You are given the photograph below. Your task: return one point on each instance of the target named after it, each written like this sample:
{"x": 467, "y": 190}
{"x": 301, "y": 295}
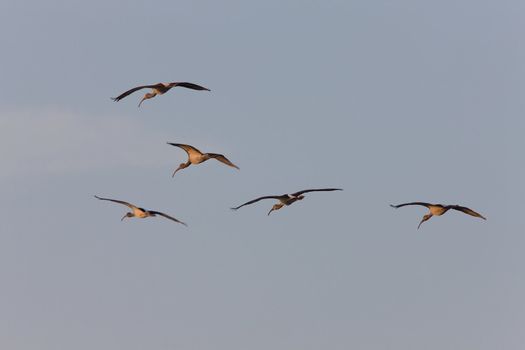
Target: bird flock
{"x": 196, "y": 157}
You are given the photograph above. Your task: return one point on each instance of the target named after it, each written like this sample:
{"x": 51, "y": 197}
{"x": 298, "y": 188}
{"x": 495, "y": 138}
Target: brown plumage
{"x": 286, "y": 199}
{"x": 158, "y": 89}
{"x": 139, "y": 212}
{"x": 196, "y": 157}
{"x": 439, "y": 209}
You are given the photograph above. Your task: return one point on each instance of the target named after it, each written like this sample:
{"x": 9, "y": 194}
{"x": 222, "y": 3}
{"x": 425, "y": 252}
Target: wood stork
{"x": 196, "y": 157}
{"x": 158, "y": 89}
{"x": 286, "y": 199}
{"x": 139, "y": 212}
{"x": 439, "y": 209}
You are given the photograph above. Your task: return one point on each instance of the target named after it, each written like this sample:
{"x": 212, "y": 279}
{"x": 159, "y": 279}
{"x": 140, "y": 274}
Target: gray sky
{"x": 393, "y": 101}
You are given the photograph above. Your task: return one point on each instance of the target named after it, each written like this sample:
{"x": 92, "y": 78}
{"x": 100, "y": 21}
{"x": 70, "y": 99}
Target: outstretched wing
{"x": 189, "y": 149}
{"x": 316, "y": 190}
{"x": 260, "y": 198}
{"x": 467, "y": 211}
{"x": 222, "y": 159}
{"x": 411, "y": 203}
{"x": 188, "y": 86}
{"x": 129, "y": 92}
{"x": 166, "y": 216}
{"x": 117, "y": 201}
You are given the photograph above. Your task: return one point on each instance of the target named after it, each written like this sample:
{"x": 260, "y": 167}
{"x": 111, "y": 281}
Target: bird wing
{"x": 466, "y": 211}
{"x": 222, "y": 159}
{"x": 411, "y": 203}
{"x": 117, "y": 201}
{"x": 121, "y": 96}
{"x": 189, "y": 149}
{"x": 188, "y": 86}
{"x": 316, "y": 190}
{"x": 280, "y": 198}
{"x": 167, "y": 216}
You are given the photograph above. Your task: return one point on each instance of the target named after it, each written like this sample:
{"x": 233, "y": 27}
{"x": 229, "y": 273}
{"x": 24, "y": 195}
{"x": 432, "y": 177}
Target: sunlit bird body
{"x": 439, "y": 209}
{"x": 140, "y": 212}
{"x": 286, "y": 199}
{"x": 158, "y": 89}
{"x": 196, "y": 157}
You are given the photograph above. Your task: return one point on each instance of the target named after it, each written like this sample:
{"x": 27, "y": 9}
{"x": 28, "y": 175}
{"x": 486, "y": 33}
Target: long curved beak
{"x": 425, "y": 218}
{"x": 173, "y": 175}
{"x": 125, "y": 216}
{"x": 270, "y": 211}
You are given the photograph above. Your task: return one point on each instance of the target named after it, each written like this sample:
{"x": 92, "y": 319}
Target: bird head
{"x": 425, "y": 218}
{"x": 147, "y": 96}
{"x": 276, "y": 207}
{"x": 181, "y": 166}
{"x": 128, "y": 215}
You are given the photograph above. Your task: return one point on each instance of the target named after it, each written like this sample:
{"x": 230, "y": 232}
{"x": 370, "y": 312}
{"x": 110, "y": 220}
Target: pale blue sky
{"x": 393, "y": 101}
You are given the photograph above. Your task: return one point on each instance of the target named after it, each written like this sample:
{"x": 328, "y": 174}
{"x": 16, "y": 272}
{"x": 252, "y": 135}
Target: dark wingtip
{"x": 97, "y": 197}
{"x": 234, "y": 209}
{"x": 393, "y": 206}
{"x": 114, "y": 99}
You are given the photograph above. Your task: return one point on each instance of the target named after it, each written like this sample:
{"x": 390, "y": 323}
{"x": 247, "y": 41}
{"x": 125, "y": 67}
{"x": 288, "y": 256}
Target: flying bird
{"x": 158, "y": 89}
{"x": 286, "y": 199}
{"x": 439, "y": 209}
{"x": 196, "y": 157}
{"x": 140, "y": 212}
